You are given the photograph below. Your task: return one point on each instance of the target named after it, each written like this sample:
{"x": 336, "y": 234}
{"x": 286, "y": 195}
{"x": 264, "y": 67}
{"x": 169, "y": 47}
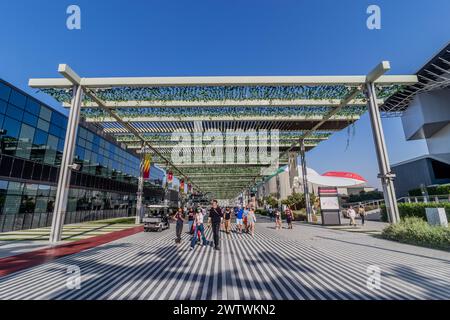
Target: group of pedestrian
{"x": 352, "y": 213}
{"x": 217, "y": 219}
{"x": 276, "y": 214}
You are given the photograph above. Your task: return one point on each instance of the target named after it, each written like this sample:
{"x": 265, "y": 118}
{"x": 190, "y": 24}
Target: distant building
{"x": 426, "y": 115}
{"x": 428, "y": 170}
{"x": 348, "y": 183}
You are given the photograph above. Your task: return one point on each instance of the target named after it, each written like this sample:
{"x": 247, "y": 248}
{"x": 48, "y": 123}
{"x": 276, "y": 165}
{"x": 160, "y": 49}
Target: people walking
{"x": 244, "y": 219}
{"x": 251, "y": 220}
{"x": 352, "y": 215}
{"x": 198, "y": 228}
{"x": 362, "y": 213}
{"x": 191, "y": 215}
{"x": 179, "y": 218}
{"x": 239, "y": 217}
{"x": 227, "y": 219}
{"x": 277, "y": 219}
{"x": 289, "y": 217}
{"x": 215, "y": 214}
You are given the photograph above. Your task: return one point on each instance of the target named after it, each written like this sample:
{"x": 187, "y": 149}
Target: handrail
{"x": 409, "y": 199}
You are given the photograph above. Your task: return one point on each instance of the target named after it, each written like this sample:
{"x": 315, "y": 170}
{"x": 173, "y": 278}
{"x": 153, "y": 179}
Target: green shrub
{"x": 300, "y": 215}
{"x": 414, "y": 230}
{"x": 365, "y": 196}
{"x": 261, "y": 212}
{"x": 416, "y": 209}
{"x": 443, "y": 189}
{"x": 125, "y": 220}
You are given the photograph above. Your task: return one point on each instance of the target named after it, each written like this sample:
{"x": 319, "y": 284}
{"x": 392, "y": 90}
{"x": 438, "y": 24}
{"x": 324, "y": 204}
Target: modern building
{"x": 428, "y": 170}
{"x": 426, "y": 116}
{"x": 347, "y": 183}
{"x": 32, "y": 138}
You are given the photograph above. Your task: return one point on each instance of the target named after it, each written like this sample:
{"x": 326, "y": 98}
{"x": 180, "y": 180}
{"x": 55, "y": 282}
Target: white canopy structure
{"x": 143, "y": 112}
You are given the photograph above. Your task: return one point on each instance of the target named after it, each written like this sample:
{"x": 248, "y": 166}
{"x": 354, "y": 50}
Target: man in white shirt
{"x": 352, "y": 215}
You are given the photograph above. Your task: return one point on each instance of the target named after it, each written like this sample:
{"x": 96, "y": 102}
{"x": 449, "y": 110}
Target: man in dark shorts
{"x": 179, "y": 218}
{"x": 227, "y": 218}
{"x": 215, "y": 213}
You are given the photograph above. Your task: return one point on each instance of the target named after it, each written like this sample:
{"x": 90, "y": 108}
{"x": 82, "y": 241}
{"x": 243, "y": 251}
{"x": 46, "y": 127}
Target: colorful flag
{"x": 182, "y": 185}
{"x": 146, "y": 168}
{"x": 169, "y": 177}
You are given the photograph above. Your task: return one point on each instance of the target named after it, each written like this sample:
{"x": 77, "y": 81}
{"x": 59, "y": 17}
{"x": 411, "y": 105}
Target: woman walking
{"x": 289, "y": 217}
{"x": 227, "y": 218}
{"x": 199, "y": 229}
{"x": 179, "y": 218}
{"x": 191, "y": 216}
{"x": 251, "y": 220}
{"x": 277, "y": 219}
{"x": 362, "y": 214}
{"x": 352, "y": 215}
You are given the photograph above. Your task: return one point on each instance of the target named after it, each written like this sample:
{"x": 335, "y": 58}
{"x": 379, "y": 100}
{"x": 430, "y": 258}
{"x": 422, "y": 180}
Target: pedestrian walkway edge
{"x": 30, "y": 259}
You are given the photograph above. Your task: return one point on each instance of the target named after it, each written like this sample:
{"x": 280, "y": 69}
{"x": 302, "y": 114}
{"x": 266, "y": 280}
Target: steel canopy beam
{"x": 94, "y": 83}
{"x": 225, "y": 103}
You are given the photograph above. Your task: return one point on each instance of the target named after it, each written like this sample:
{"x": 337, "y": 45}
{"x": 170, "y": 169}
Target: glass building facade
{"x": 31, "y": 144}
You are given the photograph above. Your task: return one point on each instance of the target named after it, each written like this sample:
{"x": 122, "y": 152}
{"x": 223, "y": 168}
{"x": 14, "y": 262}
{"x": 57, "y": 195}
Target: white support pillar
{"x": 386, "y": 176}
{"x": 62, "y": 191}
{"x": 305, "y": 182}
{"x": 140, "y": 191}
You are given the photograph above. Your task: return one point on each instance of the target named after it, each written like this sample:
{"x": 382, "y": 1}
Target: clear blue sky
{"x": 230, "y": 37}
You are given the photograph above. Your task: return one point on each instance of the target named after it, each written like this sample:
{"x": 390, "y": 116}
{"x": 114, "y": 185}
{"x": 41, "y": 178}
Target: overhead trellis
{"x": 146, "y": 111}
{"x": 237, "y": 112}
{"x": 201, "y": 93}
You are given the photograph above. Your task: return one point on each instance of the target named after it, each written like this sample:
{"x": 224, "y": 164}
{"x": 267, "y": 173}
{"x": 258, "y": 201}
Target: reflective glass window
{"x": 25, "y": 142}
{"x": 14, "y": 112}
{"x": 45, "y": 113}
{"x": 3, "y": 106}
{"x": 18, "y": 99}
{"x": 43, "y": 125}
{"x": 5, "y": 91}
{"x": 30, "y": 119}
{"x": 33, "y": 107}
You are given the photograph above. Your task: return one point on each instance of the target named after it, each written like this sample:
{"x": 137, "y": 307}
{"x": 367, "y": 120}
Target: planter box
{"x": 436, "y": 217}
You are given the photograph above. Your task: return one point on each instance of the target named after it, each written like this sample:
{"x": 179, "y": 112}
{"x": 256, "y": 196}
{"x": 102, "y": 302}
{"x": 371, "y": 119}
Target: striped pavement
{"x": 308, "y": 262}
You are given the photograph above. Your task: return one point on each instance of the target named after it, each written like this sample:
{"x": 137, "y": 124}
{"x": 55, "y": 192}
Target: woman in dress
{"x": 289, "y": 217}
{"x": 251, "y": 220}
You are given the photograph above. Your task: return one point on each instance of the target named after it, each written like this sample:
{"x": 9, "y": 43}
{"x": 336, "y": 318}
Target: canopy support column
{"x": 305, "y": 181}
{"x": 140, "y": 191}
{"x": 62, "y": 191}
{"x": 386, "y": 176}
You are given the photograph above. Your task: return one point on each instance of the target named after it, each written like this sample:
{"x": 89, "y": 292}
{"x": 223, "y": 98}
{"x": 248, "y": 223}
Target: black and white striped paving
{"x": 308, "y": 262}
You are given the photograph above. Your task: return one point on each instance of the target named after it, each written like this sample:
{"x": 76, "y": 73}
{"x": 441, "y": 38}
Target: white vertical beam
{"x": 140, "y": 191}
{"x": 386, "y": 176}
{"x": 305, "y": 181}
{"x": 62, "y": 191}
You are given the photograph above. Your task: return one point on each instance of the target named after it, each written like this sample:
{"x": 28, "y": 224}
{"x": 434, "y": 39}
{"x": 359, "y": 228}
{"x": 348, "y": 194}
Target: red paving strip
{"x": 30, "y": 259}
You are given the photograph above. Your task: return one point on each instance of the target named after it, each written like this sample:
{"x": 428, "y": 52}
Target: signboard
{"x": 329, "y": 203}
{"x": 329, "y": 206}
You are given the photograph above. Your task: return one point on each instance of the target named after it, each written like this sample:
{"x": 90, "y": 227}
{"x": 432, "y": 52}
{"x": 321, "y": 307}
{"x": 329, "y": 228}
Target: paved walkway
{"x": 71, "y": 232}
{"x": 308, "y": 262}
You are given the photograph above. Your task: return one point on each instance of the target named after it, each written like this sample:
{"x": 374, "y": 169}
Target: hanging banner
{"x": 182, "y": 186}
{"x": 146, "y": 168}
{"x": 169, "y": 177}
{"x": 189, "y": 188}
{"x": 293, "y": 172}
